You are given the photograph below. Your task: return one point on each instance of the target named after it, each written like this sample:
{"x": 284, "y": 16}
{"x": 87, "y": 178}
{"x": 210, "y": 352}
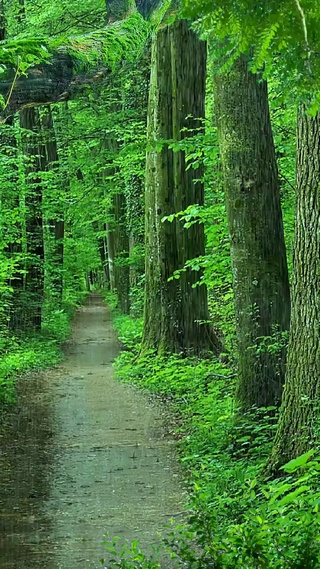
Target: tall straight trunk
{"x": 102, "y": 247}
{"x": 134, "y": 191}
{"x": 117, "y": 232}
{"x": 121, "y": 269}
{"x": 57, "y": 223}
{"x": 103, "y": 251}
{"x": 34, "y": 283}
{"x": 111, "y": 255}
{"x": 176, "y": 311}
{"x": 260, "y": 273}
{"x": 118, "y": 252}
{"x": 298, "y": 427}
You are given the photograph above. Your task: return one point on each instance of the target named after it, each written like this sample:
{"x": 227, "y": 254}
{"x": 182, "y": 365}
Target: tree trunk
{"x": 56, "y": 204}
{"x": 260, "y": 274}
{"x": 111, "y": 255}
{"x": 122, "y": 270}
{"x": 298, "y": 427}
{"x": 174, "y": 311}
{"x": 29, "y": 120}
{"x": 102, "y": 247}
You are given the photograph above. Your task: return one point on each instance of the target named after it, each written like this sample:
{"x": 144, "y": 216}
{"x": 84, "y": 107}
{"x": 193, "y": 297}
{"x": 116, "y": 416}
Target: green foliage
{"x": 129, "y": 331}
{"x": 56, "y": 324}
{"x": 127, "y": 556}
{"x": 105, "y": 46}
{"x": 109, "y": 46}
{"x": 31, "y": 353}
{"x": 237, "y": 518}
{"x": 282, "y": 36}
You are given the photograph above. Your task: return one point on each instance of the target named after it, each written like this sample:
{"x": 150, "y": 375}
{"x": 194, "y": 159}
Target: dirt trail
{"x": 81, "y": 456}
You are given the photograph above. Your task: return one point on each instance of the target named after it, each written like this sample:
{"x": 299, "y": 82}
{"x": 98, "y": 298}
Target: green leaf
{"x": 298, "y": 462}
{"x": 289, "y": 498}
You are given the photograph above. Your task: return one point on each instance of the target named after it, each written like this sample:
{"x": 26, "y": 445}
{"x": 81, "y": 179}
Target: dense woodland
{"x": 168, "y": 154}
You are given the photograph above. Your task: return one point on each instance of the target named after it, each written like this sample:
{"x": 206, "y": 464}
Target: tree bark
{"x": 260, "y": 274}
{"x": 174, "y": 311}
{"x": 298, "y": 427}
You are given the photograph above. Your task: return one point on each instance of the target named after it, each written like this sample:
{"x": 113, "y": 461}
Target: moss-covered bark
{"x": 260, "y": 274}
{"x": 298, "y": 426}
{"x": 174, "y": 311}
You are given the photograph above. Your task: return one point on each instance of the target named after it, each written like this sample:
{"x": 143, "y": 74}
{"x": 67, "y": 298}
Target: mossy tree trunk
{"x": 298, "y": 427}
{"x": 260, "y": 274}
{"x": 174, "y": 310}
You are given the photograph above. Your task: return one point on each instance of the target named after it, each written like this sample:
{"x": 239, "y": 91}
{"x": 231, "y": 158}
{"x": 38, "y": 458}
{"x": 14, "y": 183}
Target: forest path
{"x": 81, "y": 456}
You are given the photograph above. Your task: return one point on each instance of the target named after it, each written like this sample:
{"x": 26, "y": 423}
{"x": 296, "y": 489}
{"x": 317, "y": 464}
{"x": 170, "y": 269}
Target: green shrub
{"x": 32, "y": 353}
{"x": 238, "y": 520}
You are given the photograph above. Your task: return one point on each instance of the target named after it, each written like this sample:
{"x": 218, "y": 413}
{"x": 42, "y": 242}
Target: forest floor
{"x": 83, "y": 455}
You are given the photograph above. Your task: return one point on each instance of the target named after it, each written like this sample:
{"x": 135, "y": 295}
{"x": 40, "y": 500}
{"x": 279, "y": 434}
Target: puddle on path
{"x": 81, "y": 456}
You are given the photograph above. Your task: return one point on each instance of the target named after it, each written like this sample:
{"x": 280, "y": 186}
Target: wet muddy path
{"x": 83, "y": 455}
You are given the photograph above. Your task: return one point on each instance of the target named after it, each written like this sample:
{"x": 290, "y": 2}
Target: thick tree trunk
{"x": 260, "y": 274}
{"x": 29, "y": 120}
{"x": 174, "y": 311}
{"x": 298, "y": 427}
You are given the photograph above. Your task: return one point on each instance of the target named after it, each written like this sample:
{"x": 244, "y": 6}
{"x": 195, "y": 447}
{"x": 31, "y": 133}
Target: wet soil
{"x": 83, "y": 455}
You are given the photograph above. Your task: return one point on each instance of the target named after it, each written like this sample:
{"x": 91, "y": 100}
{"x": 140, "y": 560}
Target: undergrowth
{"x": 23, "y": 352}
{"x": 239, "y": 519}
